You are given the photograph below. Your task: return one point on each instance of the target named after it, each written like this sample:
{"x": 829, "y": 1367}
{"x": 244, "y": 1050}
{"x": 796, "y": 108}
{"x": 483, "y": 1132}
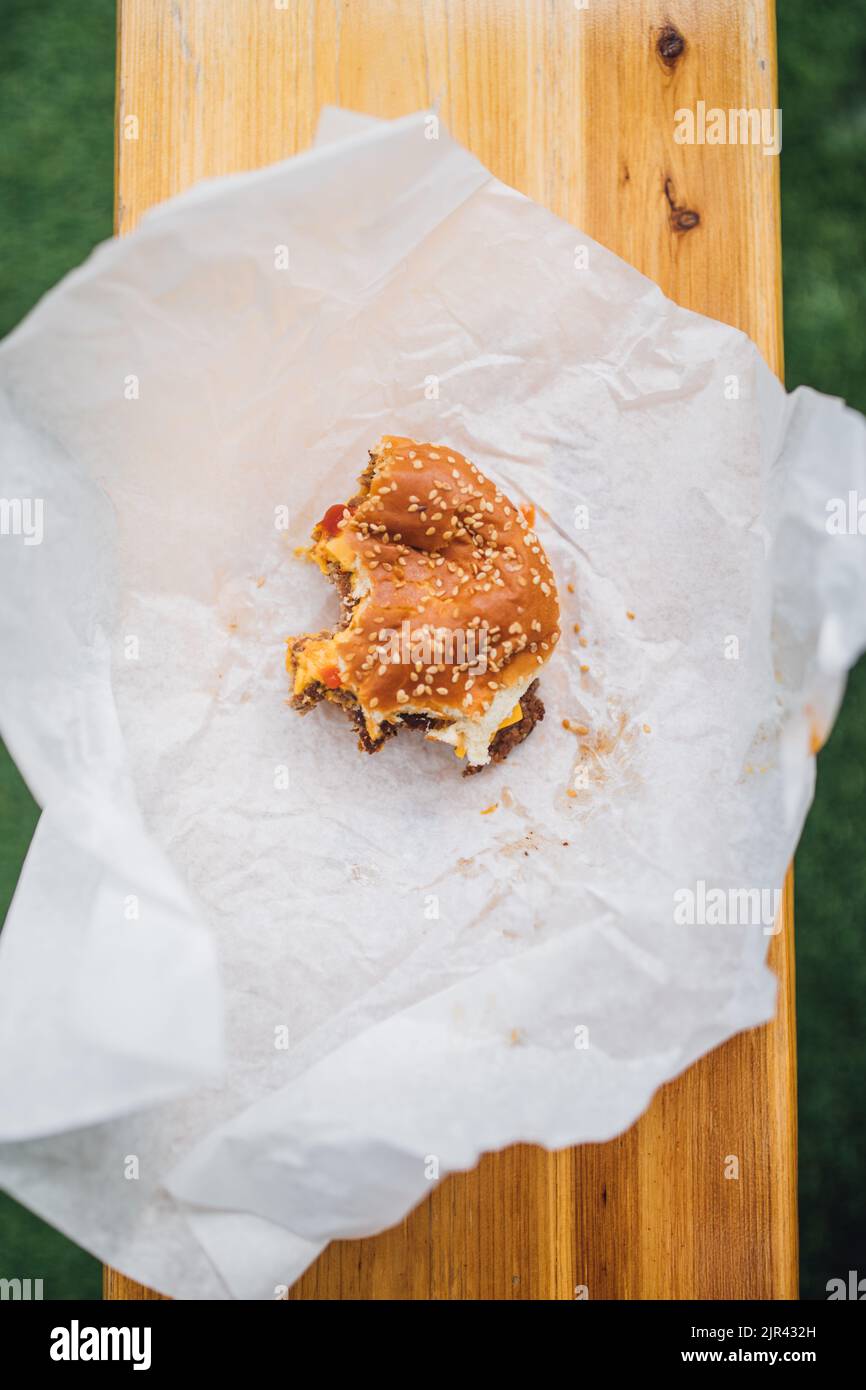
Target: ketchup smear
{"x": 333, "y": 516}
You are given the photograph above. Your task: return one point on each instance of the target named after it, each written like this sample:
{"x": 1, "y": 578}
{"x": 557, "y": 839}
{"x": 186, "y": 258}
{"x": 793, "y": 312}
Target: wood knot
{"x": 670, "y": 44}
{"x": 682, "y": 219}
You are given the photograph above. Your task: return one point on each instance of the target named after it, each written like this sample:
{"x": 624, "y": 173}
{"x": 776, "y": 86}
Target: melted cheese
{"x": 311, "y": 664}
{"x": 338, "y": 548}
{"x": 475, "y": 735}
{"x": 513, "y": 718}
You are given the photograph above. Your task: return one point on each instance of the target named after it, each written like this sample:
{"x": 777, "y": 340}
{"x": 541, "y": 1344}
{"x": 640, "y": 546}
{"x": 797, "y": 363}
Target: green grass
{"x": 822, "y": 79}
{"x": 56, "y": 169}
{"x": 56, "y": 202}
{"x": 57, "y": 151}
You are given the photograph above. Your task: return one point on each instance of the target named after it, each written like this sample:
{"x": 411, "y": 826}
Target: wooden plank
{"x": 576, "y": 108}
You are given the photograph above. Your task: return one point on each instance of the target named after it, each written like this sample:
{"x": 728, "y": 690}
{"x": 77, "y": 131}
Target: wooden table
{"x": 573, "y": 103}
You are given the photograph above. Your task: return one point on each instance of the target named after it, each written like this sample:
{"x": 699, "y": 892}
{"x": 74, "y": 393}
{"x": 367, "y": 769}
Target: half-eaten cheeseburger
{"x": 449, "y": 607}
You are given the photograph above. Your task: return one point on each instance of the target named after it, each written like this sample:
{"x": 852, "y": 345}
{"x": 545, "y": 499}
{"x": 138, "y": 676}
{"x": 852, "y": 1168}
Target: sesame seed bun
{"x": 449, "y": 603}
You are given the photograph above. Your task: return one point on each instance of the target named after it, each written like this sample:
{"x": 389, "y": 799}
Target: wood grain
{"x": 575, "y": 107}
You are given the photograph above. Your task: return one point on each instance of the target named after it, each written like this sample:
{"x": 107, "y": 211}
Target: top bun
{"x": 451, "y": 601}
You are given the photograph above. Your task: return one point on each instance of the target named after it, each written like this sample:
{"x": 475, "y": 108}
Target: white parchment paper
{"x": 255, "y": 986}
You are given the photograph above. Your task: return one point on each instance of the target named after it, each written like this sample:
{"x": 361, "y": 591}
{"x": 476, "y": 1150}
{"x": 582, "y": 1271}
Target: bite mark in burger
{"x": 449, "y": 607}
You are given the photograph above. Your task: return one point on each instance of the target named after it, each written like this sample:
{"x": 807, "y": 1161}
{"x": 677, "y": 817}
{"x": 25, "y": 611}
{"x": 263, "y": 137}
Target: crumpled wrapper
{"x": 258, "y": 990}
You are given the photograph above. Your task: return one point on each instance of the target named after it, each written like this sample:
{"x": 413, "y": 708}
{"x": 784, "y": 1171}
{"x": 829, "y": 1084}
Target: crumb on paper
{"x": 488, "y": 809}
{"x": 521, "y": 846}
{"x": 584, "y": 669}
{"x": 646, "y": 728}
{"x": 570, "y": 588}
{"x": 260, "y": 581}
{"x": 604, "y": 754}
{"x": 529, "y": 512}
{"x": 574, "y": 728}
{"x": 515, "y": 1037}
{"x": 816, "y": 735}
{"x": 577, "y": 627}
{"x": 629, "y": 615}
